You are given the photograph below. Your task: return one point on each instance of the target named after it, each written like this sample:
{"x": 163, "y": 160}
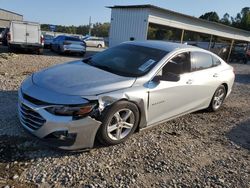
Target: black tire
{"x": 39, "y": 51}
{"x": 109, "y": 115}
{"x": 215, "y": 106}
{"x": 11, "y": 49}
{"x": 245, "y": 61}
{"x": 99, "y": 46}
{"x": 59, "y": 50}
{"x": 83, "y": 54}
{"x": 51, "y": 49}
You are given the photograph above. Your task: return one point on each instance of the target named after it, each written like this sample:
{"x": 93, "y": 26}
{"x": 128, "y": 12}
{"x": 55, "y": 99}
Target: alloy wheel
{"x": 218, "y": 98}
{"x": 121, "y": 124}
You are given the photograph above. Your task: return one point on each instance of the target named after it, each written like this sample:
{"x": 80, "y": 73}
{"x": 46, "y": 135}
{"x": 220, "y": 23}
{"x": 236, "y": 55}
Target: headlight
{"x": 76, "y": 111}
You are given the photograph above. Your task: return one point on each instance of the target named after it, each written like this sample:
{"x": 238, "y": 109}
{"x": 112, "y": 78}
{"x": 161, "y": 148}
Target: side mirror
{"x": 171, "y": 77}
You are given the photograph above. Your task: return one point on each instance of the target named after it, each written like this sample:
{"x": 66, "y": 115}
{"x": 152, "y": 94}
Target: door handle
{"x": 216, "y": 75}
{"x": 189, "y": 82}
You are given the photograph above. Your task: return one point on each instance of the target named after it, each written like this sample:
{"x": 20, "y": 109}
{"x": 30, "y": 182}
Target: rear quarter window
{"x": 216, "y": 61}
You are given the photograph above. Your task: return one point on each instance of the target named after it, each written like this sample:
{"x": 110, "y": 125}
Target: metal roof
{"x": 11, "y": 12}
{"x": 183, "y": 15}
{"x": 162, "y": 45}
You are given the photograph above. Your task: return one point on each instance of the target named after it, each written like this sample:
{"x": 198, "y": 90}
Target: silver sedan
{"x": 66, "y": 44}
{"x": 123, "y": 89}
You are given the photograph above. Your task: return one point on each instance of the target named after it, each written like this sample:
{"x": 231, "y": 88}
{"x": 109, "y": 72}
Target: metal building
{"x": 132, "y": 23}
{"x": 7, "y": 16}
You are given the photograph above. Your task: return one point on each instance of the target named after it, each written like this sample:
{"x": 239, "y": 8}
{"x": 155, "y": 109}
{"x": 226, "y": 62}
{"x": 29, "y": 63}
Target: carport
{"x": 132, "y": 23}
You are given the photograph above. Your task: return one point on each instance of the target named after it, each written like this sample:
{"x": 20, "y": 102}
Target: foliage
{"x": 241, "y": 20}
{"x": 98, "y": 29}
{"x": 210, "y": 16}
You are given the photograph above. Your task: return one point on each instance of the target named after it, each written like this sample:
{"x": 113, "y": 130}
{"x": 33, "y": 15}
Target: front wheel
{"x": 118, "y": 123}
{"x": 218, "y": 99}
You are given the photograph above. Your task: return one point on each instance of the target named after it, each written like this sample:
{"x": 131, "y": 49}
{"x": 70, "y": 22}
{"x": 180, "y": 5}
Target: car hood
{"x": 78, "y": 78}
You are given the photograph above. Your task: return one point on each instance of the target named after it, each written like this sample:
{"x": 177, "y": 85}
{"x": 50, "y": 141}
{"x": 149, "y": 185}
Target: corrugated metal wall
{"x": 6, "y": 17}
{"x": 127, "y": 23}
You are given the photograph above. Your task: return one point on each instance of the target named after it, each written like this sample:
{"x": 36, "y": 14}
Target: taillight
{"x": 66, "y": 43}
{"x": 41, "y": 40}
{"x": 8, "y": 36}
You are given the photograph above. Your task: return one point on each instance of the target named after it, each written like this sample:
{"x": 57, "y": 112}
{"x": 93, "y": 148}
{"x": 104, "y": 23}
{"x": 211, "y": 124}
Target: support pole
{"x": 210, "y": 43}
{"x": 230, "y": 51}
{"x": 182, "y": 35}
{"x": 90, "y": 25}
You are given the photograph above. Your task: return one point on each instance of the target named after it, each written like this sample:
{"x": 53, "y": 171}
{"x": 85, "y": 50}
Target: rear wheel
{"x": 39, "y": 51}
{"x": 218, "y": 99}
{"x": 118, "y": 123}
{"x": 83, "y": 54}
{"x": 59, "y": 51}
{"x": 99, "y": 46}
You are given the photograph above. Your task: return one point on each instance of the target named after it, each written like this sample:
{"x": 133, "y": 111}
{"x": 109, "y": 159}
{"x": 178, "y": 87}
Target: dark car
{"x": 48, "y": 40}
{"x": 5, "y": 36}
{"x": 1, "y": 33}
{"x": 239, "y": 54}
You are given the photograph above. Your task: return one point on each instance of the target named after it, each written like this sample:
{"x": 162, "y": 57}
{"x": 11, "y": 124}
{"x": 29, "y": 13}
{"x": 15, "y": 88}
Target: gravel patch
{"x": 197, "y": 150}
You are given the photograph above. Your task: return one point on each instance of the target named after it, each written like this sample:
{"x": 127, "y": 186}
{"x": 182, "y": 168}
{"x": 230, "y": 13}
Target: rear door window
{"x": 201, "y": 61}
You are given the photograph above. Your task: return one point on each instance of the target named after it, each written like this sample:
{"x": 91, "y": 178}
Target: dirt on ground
{"x": 201, "y": 149}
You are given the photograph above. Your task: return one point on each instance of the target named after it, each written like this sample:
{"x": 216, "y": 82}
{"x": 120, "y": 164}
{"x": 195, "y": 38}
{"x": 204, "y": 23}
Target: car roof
{"x": 162, "y": 45}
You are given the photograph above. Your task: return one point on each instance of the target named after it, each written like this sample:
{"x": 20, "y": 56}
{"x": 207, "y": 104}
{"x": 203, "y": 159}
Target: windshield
{"x": 72, "y": 39}
{"x": 128, "y": 60}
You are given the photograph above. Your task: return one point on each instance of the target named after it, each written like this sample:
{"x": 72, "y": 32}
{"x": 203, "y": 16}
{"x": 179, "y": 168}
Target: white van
{"x": 25, "y": 35}
{"x": 94, "y": 42}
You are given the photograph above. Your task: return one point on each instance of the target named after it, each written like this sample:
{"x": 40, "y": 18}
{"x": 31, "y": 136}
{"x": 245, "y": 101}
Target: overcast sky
{"x": 77, "y": 12}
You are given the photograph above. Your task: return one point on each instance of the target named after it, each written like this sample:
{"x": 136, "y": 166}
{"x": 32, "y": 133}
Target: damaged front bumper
{"x": 59, "y": 131}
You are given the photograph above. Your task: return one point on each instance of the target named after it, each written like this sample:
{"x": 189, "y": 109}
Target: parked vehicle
{"x": 126, "y": 88}
{"x": 64, "y": 44}
{"x": 240, "y": 53}
{"x": 5, "y": 36}
{"x": 48, "y": 40}
{"x": 1, "y": 33}
{"x": 94, "y": 42}
{"x": 25, "y": 35}
{"x": 248, "y": 54}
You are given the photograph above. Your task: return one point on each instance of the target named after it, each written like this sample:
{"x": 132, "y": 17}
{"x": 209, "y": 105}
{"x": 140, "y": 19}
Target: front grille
{"x": 30, "y": 118}
{"x": 33, "y": 100}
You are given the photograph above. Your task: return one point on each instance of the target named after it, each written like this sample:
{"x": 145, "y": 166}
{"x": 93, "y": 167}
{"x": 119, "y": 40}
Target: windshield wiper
{"x": 104, "y": 67}
{"x": 87, "y": 60}
{"x": 90, "y": 62}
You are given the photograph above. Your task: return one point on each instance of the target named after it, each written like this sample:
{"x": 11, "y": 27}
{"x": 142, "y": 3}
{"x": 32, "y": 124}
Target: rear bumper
{"x": 58, "y": 131}
{"x": 30, "y": 46}
{"x": 76, "y": 49}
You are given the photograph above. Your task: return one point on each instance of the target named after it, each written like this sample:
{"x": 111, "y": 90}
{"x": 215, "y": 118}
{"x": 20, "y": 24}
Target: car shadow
{"x": 48, "y": 52}
{"x": 242, "y": 78}
{"x": 16, "y": 144}
{"x": 240, "y": 135}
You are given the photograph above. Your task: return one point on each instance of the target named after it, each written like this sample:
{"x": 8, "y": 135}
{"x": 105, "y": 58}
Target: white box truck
{"x": 25, "y": 35}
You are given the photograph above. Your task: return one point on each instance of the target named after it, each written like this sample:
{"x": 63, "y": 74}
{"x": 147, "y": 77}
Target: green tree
{"x": 226, "y": 19}
{"x": 101, "y": 30}
{"x": 98, "y": 29}
{"x": 210, "y": 16}
{"x": 245, "y": 18}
